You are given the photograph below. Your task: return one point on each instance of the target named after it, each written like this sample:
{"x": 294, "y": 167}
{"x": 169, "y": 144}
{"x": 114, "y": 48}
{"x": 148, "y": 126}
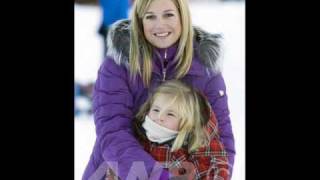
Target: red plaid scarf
{"x": 206, "y": 163}
{"x": 209, "y": 162}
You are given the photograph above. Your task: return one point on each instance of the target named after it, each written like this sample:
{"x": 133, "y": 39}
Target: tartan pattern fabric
{"x": 208, "y": 162}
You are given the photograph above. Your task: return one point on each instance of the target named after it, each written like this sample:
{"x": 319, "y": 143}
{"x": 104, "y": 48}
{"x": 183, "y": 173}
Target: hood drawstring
{"x": 165, "y": 63}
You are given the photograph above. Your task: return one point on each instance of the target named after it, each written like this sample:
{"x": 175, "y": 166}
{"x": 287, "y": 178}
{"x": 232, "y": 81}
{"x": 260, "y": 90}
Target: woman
{"x": 158, "y": 44}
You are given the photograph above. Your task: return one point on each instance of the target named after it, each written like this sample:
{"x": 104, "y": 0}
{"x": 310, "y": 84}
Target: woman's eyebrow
{"x": 148, "y": 12}
{"x": 168, "y": 10}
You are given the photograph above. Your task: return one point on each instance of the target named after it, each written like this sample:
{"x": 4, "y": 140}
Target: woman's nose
{"x": 160, "y": 22}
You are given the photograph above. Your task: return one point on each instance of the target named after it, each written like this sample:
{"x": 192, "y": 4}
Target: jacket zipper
{"x": 165, "y": 63}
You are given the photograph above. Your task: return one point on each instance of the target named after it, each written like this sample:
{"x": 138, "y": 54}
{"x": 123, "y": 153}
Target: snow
{"x": 227, "y": 18}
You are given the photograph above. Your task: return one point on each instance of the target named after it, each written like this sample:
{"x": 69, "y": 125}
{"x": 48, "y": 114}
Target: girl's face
{"x": 161, "y": 23}
{"x": 164, "y": 115}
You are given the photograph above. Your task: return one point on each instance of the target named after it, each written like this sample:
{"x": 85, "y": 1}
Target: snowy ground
{"x": 226, "y": 18}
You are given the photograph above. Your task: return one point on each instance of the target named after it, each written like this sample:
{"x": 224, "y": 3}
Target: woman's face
{"x": 163, "y": 114}
{"x": 161, "y": 23}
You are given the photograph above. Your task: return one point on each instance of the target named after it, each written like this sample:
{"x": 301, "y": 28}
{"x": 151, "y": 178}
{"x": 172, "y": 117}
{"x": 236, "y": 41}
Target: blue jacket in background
{"x": 114, "y": 10}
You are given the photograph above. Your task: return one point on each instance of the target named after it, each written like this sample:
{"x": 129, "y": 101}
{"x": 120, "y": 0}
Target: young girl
{"x": 176, "y": 126}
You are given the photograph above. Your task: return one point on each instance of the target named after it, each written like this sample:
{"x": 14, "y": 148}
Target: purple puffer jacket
{"x": 116, "y": 99}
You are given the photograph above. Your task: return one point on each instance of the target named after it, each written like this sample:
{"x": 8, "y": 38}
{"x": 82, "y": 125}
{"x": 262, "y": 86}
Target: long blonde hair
{"x": 141, "y": 49}
{"x": 193, "y": 109}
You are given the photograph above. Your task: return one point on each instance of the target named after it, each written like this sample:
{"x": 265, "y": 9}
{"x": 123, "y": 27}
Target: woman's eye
{"x": 155, "y": 110}
{"x": 150, "y": 17}
{"x": 169, "y": 15}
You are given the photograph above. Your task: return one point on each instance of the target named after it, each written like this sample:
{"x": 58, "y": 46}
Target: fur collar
{"x": 206, "y": 46}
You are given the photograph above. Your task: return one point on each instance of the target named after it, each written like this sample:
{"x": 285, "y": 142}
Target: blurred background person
{"x": 112, "y": 10}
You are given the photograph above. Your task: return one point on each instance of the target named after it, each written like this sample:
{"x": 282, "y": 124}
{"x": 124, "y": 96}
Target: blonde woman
{"x": 158, "y": 44}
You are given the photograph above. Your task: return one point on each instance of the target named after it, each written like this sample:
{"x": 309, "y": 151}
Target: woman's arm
{"x": 216, "y": 94}
{"x": 112, "y": 106}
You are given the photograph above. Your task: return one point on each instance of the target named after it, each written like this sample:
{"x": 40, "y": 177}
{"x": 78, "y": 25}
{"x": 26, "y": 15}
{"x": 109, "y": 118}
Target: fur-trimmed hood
{"x": 206, "y": 46}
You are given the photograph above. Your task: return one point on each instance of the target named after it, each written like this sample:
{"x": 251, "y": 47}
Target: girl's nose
{"x": 160, "y": 119}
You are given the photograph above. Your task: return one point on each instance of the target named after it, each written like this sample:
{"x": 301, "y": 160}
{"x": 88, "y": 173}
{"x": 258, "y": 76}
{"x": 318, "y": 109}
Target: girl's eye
{"x": 155, "y": 110}
{"x": 150, "y": 17}
{"x": 170, "y": 114}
